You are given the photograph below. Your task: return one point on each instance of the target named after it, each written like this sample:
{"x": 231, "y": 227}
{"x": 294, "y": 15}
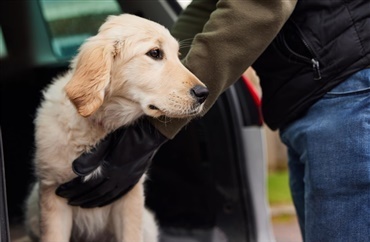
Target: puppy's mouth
{"x": 153, "y": 107}
{"x": 181, "y": 113}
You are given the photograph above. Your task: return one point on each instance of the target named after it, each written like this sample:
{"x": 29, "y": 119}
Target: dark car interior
{"x": 196, "y": 187}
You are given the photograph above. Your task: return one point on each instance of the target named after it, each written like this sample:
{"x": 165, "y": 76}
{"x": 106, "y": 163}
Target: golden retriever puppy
{"x": 129, "y": 69}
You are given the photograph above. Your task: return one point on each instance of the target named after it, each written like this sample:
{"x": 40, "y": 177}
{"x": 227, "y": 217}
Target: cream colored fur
{"x": 111, "y": 83}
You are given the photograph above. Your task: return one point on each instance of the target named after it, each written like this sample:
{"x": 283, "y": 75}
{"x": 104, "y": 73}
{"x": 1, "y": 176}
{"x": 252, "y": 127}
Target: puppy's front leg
{"x": 127, "y": 215}
{"x": 55, "y": 216}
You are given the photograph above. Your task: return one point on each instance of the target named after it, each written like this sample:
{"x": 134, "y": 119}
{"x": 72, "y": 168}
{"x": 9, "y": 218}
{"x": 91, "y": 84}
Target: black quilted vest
{"x": 322, "y": 44}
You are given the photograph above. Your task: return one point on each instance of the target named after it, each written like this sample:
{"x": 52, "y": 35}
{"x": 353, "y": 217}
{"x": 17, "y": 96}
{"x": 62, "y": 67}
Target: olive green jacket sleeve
{"x": 229, "y": 37}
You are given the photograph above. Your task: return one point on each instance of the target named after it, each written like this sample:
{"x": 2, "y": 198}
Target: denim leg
{"x": 296, "y": 173}
{"x": 331, "y": 145}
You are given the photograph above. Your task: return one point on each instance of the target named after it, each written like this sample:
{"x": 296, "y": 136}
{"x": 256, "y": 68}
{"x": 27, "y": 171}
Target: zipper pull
{"x": 316, "y": 69}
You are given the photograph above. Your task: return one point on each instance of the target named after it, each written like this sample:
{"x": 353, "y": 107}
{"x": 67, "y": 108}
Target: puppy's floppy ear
{"x": 91, "y": 76}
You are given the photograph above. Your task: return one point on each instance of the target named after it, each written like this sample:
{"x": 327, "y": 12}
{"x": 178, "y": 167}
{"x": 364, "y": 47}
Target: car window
{"x": 184, "y": 3}
{"x": 3, "y": 52}
{"x": 71, "y": 22}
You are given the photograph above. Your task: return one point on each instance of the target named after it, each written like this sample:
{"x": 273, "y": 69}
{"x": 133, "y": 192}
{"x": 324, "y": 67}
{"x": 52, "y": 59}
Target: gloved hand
{"x": 124, "y": 156}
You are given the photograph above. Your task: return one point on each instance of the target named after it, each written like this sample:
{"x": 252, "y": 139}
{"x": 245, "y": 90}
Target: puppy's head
{"x": 134, "y": 59}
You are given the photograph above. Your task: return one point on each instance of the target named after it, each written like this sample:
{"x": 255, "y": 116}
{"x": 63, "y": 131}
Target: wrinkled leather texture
{"x": 124, "y": 156}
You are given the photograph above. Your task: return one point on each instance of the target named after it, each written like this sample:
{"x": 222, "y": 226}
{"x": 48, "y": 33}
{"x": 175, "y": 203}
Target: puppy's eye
{"x": 156, "y": 54}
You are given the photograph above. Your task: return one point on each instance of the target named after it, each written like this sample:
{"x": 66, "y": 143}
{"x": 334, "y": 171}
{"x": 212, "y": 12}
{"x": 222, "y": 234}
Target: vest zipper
{"x": 313, "y": 61}
{"x": 316, "y": 69}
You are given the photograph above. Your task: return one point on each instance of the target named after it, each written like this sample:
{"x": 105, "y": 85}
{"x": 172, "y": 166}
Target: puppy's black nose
{"x": 200, "y": 93}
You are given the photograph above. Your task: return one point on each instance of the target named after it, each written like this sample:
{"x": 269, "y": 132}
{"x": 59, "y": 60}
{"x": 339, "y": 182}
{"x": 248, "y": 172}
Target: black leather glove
{"x": 124, "y": 156}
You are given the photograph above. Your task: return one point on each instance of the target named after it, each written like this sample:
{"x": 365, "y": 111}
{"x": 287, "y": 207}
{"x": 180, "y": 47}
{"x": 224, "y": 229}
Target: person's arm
{"x": 235, "y": 33}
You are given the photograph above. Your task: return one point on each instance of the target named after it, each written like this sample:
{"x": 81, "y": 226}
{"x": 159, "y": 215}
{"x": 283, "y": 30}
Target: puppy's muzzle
{"x": 200, "y": 93}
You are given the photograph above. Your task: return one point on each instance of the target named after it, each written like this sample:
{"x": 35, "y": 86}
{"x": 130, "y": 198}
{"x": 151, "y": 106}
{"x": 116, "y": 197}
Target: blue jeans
{"x": 329, "y": 164}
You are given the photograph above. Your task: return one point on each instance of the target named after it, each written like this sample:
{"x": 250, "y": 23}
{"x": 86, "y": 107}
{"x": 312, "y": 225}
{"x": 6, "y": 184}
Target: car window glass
{"x": 3, "y": 52}
{"x": 71, "y": 22}
{"x": 184, "y": 3}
